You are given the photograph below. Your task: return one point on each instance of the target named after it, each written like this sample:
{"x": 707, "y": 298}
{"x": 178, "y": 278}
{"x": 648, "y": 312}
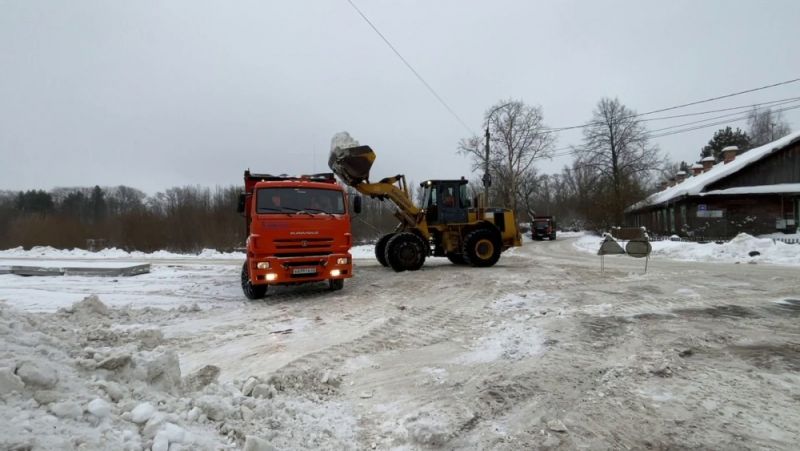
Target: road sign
{"x": 638, "y": 248}
{"x": 610, "y": 246}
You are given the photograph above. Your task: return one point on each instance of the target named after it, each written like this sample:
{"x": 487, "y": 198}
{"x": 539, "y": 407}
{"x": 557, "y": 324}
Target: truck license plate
{"x": 304, "y": 271}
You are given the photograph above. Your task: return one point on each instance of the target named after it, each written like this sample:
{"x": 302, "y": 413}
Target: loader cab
{"x": 445, "y": 201}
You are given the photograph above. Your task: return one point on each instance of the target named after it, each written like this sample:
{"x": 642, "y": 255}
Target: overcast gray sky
{"x": 154, "y": 94}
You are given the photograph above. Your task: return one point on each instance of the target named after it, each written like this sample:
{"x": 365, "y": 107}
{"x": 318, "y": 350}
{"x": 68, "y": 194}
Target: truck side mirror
{"x": 357, "y": 204}
{"x": 240, "y": 205}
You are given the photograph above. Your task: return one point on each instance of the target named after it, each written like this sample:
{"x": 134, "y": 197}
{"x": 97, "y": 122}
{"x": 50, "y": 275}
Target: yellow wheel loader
{"x": 445, "y": 225}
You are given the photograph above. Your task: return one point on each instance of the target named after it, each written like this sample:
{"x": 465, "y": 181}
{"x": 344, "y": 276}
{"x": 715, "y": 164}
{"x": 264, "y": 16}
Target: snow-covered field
{"x": 541, "y": 351}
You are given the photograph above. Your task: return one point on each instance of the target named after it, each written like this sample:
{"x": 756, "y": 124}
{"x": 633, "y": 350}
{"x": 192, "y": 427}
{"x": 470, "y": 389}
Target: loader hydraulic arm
{"x": 352, "y": 165}
{"x": 396, "y": 190}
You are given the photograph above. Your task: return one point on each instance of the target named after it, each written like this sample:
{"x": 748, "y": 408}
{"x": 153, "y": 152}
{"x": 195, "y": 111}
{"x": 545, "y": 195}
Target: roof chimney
{"x": 729, "y": 154}
{"x": 680, "y": 176}
{"x": 708, "y": 163}
{"x": 697, "y": 169}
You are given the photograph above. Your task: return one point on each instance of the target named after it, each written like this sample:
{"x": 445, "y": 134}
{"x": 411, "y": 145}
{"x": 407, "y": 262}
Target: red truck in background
{"x": 543, "y": 227}
{"x": 298, "y": 231}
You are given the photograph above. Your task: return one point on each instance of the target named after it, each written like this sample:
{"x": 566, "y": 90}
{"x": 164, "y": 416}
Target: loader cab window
{"x": 429, "y": 196}
{"x": 462, "y": 196}
{"x": 294, "y": 200}
{"x": 446, "y": 202}
{"x": 430, "y": 203}
{"x": 449, "y": 197}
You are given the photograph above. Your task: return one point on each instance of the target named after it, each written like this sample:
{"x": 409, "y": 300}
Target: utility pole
{"x": 487, "y": 178}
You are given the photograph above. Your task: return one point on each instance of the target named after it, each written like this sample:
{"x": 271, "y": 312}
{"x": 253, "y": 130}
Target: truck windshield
{"x": 292, "y": 200}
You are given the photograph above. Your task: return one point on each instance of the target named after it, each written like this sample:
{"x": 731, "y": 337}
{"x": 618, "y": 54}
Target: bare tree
{"x": 527, "y": 188}
{"x": 518, "y": 138}
{"x": 617, "y": 146}
{"x": 766, "y": 126}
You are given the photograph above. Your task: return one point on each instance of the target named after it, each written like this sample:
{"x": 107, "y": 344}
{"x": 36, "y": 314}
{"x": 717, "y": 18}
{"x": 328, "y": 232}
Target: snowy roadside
{"x": 114, "y": 253}
{"x": 737, "y": 250}
{"x": 359, "y": 252}
{"x": 79, "y": 379}
{"x": 364, "y": 251}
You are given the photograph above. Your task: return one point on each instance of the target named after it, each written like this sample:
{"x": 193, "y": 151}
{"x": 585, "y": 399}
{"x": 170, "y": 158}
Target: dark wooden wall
{"x": 755, "y": 215}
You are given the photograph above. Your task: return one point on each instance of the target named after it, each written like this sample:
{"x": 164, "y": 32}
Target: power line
{"x": 721, "y": 97}
{"x": 411, "y": 68}
{"x": 675, "y": 132}
{"x": 700, "y": 113}
{"x": 685, "y": 128}
{"x": 589, "y": 124}
{"x": 737, "y": 113}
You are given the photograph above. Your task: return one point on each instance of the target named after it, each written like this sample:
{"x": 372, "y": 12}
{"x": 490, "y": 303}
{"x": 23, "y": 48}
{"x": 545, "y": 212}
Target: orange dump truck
{"x": 298, "y": 231}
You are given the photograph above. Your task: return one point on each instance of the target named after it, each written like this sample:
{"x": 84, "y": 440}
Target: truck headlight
{"x": 335, "y": 273}
{"x": 341, "y": 261}
{"x": 262, "y": 265}
{"x": 271, "y": 277}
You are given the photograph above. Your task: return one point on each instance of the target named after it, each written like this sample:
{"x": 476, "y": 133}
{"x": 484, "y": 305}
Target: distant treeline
{"x": 180, "y": 219}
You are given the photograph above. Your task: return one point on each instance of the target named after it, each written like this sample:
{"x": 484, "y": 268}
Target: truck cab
{"x": 543, "y": 227}
{"x": 298, "y": 231}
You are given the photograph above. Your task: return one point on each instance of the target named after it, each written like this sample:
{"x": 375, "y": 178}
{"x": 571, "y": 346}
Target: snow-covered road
{"x": 539, "y": 351}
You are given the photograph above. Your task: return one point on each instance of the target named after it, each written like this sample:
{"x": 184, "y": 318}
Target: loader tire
{"x": 456, "y": 259}
{"x": 251, "y": 291}
{"x": 482, "y": 248}
{"x": 380, "y": 248}
{"x": 405, "y": 252}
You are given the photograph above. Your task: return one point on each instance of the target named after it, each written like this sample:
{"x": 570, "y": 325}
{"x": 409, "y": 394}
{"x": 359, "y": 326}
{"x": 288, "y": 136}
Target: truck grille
{"x": 302, "y": 247}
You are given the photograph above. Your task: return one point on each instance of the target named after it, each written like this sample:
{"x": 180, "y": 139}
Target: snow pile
{"x": 342, "y": 140}
{"x": 427, "y": 428}
{"x": 570, "y": 234}
{"x": 363, "y": 252}
{"x": 113, "y": 253}
{"x": 742, "y": 248}
{"x": 75, "y": 379}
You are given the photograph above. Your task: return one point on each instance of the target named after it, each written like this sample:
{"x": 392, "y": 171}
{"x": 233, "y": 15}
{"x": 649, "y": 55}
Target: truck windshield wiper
{"x": 317, "y": 210}
{"x": 276, "y": 209}
{"x": 297, "y": 211}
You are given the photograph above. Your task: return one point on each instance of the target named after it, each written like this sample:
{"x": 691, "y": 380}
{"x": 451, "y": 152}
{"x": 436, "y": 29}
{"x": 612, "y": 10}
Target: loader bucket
{"x": 352, "y": 164}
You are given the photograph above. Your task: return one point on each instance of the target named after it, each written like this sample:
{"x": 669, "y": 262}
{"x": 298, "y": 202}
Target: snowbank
{"x": 738, "y": 249}
{"x": 570, "y": 234}
{"x": 363, "y": 252}
{"x": 51, "y": 252}
{"x": 76, "y": 379}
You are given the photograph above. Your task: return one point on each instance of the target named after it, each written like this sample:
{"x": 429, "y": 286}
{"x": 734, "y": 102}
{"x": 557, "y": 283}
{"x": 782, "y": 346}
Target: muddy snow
{"x": 541, "y": 351}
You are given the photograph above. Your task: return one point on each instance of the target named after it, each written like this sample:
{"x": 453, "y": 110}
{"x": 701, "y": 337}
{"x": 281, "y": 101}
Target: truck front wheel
{"x": 335, "y": 284}
{"x": 251, "y": 291}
